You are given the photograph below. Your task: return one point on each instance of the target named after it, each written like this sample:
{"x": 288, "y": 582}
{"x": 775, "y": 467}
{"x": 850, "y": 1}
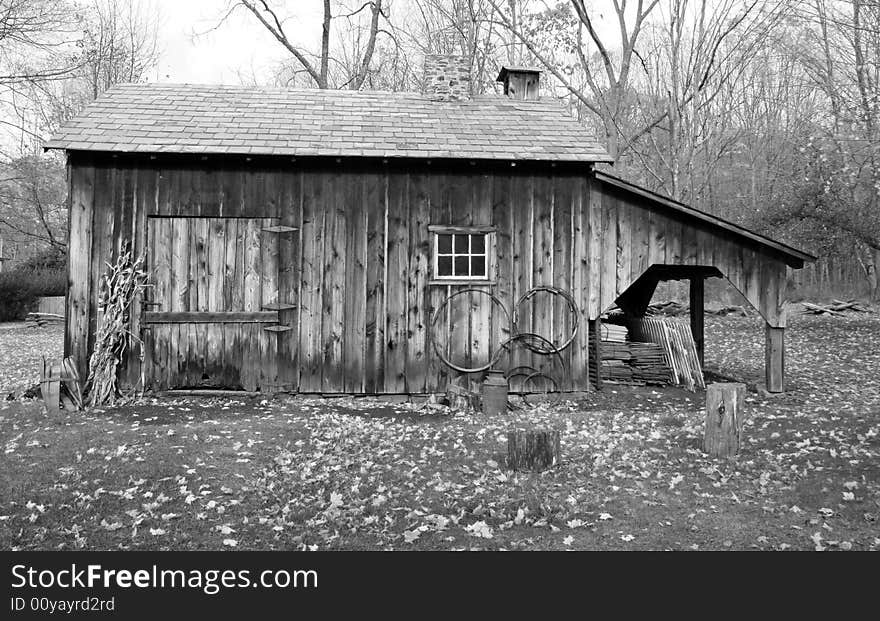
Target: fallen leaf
{"x": 479, "y": 529}
{"x": 411, "y": 535}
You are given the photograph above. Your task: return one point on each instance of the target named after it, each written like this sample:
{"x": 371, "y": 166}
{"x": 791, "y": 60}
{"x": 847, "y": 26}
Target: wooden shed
{"x": 322, "y": 241}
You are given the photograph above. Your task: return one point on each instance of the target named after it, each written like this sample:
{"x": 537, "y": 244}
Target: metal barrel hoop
{"x": 573, "y": 307}
{"x": 548, "y": 347}
{"x": 522, "y": 370}
{"x": 545, "y": 376}
{"x": 434, "y": 344}
{"x": 556, "y": 392}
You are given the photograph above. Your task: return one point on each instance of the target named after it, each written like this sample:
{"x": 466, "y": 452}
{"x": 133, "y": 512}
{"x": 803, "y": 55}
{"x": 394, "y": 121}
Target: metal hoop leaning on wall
{"x": 530, "y": 373}
{"x": 498, "y": 351}
{"x": 573, "y": 307}
{"x": 547, "y": 347}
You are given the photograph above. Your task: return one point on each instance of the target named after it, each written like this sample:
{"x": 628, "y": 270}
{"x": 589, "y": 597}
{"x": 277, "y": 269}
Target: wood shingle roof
{"x": 166, "y": 118}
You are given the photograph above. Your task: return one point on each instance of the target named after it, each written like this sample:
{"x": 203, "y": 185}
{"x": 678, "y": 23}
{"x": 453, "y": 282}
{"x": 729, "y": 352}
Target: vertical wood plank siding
{"x": 636, "y": 234}
{"x": 357, "y": 269}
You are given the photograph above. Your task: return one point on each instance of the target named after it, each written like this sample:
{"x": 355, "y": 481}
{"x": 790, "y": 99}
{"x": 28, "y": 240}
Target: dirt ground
{"x": 296, "y": 473}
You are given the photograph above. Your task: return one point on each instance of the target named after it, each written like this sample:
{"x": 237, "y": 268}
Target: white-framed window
{"x": 462, "y": 253}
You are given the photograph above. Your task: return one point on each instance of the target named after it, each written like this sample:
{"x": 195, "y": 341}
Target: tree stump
{"x": 532, "y": 449}
{"x": 724, "y": 419}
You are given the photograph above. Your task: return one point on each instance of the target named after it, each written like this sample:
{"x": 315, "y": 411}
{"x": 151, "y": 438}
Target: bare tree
{"x": 462, "y": 27}
{"x": 604, "y": 87}
{"x": 605, "y": 74}
{"x": 840, "y": 50}
{"x": 116, "y": 41}
{"x": 699, "y": 54}
{"x": 36, "y": 37}
{"x": 61, "y": 60}
{"x": 32, "y": 193}
{"x": 352, "y": 70}
{"x": 37, "y": 48}
{"x": 119, "y": 43}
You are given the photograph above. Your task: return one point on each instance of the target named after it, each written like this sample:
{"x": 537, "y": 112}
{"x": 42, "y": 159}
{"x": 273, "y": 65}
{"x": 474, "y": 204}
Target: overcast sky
{"x": 240, "y": 44}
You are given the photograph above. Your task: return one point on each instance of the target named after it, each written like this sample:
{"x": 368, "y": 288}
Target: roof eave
{"x": 793, "y": 257}
{"x": 184, "y": 151}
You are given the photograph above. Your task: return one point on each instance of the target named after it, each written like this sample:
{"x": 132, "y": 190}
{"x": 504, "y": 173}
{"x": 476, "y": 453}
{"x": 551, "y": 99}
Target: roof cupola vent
{"x": 520, "y": 82}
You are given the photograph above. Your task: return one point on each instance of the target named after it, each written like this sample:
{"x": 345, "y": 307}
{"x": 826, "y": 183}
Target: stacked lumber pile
{"x": 649, "y": 364}
{"x": 613, "y": 333}
{"x": 634, "y": 363}
{"x": 629, "y": 362}
{"x": 41, "y": 320}
{"x": 836, "y": 308}
{"x": 679, "y": 350}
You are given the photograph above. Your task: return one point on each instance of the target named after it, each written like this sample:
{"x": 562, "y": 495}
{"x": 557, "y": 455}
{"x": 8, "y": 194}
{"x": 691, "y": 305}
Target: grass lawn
{"x": 349, "y": 473}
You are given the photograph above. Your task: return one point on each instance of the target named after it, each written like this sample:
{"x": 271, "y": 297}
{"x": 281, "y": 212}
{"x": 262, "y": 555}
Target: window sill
{"x": 443, "y": 282}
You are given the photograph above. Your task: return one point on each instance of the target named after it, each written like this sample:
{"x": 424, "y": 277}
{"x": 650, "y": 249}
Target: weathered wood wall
{"x": 358, "y": 270}
{"x": 635, "y": 233}
{"x": 354, "y": 279}
{"x": 214, "y": 294}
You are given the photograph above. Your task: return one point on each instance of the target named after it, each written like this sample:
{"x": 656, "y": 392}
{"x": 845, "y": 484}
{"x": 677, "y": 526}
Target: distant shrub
{"x": 836, "y": 291}
{"x": 52, "y": 259}
{"x": 17, "y": 295}
{"x": 20, "y": 288}
{"x": 49, "y": 282}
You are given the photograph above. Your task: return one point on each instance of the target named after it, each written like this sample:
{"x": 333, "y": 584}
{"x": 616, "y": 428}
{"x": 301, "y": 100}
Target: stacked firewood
{"x": 637, "y": 364}
{"x": 628, "y": 362}
{"x": 739, "y": 311}
{"x": 674, "y": 309}
{"x": 41, "y": 320}
{"x": 670, "y": 307}
{"x": 613, "y": 333}
{"x": 836, "y": 308}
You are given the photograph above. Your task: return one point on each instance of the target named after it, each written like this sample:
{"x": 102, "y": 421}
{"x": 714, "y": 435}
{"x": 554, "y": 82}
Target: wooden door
{"x": 211, "y": 318}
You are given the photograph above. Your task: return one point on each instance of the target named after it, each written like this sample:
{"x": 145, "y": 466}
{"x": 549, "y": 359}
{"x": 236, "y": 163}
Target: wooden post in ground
{"x": 774, "y": 358}
{"x": 724, "y": 419}
{"x": 697, "y": 297}
{"x": 50, "y": 387}
{"x": 532, "y": 449}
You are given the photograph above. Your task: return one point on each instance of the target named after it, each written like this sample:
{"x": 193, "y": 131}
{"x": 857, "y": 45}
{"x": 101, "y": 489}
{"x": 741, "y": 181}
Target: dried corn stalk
{"x": 123, "y": 282}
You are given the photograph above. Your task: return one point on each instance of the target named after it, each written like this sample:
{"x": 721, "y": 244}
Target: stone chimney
{"x": 520, "y": 82}
{"x": 447, "y": 78}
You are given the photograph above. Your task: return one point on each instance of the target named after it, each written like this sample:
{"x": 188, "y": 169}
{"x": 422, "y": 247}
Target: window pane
{"x": 478, "y": 244}
{"x": 444, "y": 244}
{"x": 461, "y": 244}
{"x": 444, "y": 266}
{"x": 478, "y": 266}
{"x": 461, "y": 266}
